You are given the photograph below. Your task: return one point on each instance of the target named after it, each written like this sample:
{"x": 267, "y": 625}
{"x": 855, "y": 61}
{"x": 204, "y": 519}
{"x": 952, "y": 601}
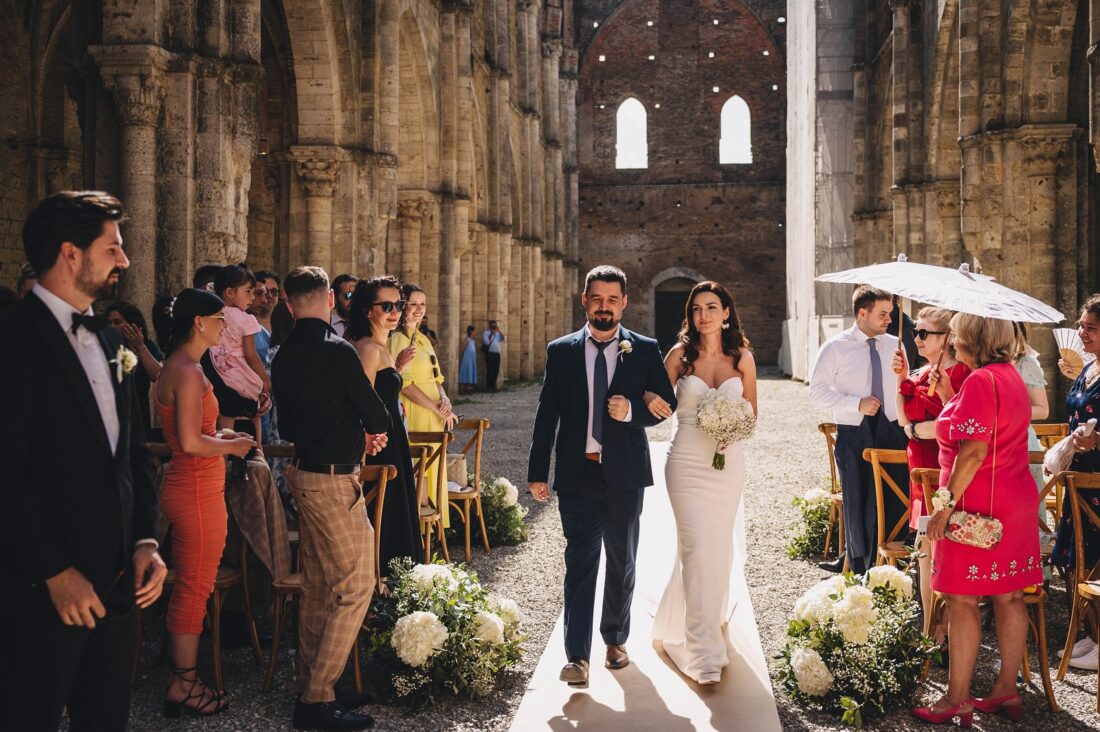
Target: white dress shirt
{"x": 842, "y": 375}
{"x": 338, "y": 324}
{"x": 611, "y": 356}
{"x": 92, "y": 359}
{"x": 487, "y": 338}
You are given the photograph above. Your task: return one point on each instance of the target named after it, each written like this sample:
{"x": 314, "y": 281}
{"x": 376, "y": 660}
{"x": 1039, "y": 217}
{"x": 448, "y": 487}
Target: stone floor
{"x": 785, "y": 458}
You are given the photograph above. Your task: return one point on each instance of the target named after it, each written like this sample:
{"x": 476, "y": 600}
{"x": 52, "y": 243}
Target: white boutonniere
{"x": 125, "y": 362}
{"x": 941, "y": 499}
{"x": 625, "y": 349}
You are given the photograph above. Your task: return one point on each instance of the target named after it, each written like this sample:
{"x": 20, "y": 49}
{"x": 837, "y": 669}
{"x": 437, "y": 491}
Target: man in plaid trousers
{"x": 326, "y": 404}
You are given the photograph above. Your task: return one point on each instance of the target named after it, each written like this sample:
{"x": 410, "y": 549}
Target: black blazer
{"x": 563, "y": 409}
{"x": 65, "y": 500}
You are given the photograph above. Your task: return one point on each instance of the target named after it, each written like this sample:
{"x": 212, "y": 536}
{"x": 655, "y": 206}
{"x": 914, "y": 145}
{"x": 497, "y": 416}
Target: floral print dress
{"x": 992, "y": 406}
{"x": 1082, "y": 404}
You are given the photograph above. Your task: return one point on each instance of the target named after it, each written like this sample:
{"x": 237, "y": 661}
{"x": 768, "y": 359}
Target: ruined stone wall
{"x": 686, "y": 216}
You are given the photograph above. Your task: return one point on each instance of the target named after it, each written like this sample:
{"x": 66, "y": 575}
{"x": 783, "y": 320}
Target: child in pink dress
{"x": 245, "y": 389}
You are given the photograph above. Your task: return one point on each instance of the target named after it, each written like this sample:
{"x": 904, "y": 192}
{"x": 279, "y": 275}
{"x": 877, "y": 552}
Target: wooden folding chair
{"x": 1035, "y": 599}
{"x": 431, "y": 511}
{"x": 1049, "y": 435}
{"x": 465, "y": 500}
{"x": 289, "y": 588}
{"x": 836, "y": 498}
{"x": 1081, "y": 489}
{"x": 890, "y": 548}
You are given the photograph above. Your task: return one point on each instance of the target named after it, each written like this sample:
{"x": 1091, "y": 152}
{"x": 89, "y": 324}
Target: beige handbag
{"x": 456, "y": 470}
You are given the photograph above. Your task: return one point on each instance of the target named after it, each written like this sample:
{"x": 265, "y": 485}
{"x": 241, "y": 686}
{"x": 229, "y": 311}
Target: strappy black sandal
{"x": 212, "y": 705}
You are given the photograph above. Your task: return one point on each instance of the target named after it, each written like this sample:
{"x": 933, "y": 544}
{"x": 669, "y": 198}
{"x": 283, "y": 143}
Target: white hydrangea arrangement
{"x": 504, "y": 516}
{"x": 854, "y": 646}
{"x": 809, "y": 541}
{"x": 439, "y": 633}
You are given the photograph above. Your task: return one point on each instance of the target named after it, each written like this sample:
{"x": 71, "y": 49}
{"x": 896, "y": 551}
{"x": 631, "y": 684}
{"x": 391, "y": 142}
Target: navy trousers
{"x": 857, "y": 483}
{"x": 594, "y": 515}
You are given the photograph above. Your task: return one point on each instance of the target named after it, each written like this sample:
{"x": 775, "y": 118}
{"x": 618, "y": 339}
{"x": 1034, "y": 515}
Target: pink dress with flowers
{"x": 228, "y": 355}
{"x": 999, "y": 415}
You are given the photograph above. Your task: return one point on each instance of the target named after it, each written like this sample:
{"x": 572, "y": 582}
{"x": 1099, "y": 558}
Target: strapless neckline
{"x": 704, "y": 383}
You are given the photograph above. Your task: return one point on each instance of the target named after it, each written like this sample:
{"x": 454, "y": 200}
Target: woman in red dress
{"x": 193, "y": 496}
{"x": 917, "y": 413}
{"x": 982, "y": 433}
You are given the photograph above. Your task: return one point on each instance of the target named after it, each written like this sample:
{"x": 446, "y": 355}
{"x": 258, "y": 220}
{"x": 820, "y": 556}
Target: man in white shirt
{"x": 491, "y": 341}
{"x": 76, "y": 483}
{"x": 853, "y": 379}
{"x": 342, "y": 288}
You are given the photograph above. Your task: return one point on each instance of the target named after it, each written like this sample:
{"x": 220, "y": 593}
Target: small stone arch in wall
{"x": 668, "y": 294}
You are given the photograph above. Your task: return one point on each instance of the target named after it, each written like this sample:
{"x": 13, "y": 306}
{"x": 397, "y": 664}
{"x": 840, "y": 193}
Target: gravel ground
{"x": 532, "y": 574}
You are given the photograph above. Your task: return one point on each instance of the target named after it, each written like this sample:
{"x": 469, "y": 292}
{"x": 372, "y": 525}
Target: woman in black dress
{"x": 375, "y": 310}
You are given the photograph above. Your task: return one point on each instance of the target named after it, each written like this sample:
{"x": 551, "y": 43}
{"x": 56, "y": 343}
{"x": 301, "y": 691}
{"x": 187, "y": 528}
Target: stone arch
{"x": 668, "y": 291}
{"x": 631, "y": 134}
{"x": 319, "y": 76}
{"x": 418, "y": 139}
{"x": 944, "y": 158}
{"x": 1046, "y": 30}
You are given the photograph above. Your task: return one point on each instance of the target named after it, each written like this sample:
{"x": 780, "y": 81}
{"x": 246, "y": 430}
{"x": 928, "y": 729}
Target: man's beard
{"x": 343, "y": 309}
{"x": 102, "y": 290}
{"x": 603, "y": 321}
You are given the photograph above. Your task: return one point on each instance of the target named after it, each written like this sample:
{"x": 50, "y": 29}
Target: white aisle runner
{"x": 650, "y": 693}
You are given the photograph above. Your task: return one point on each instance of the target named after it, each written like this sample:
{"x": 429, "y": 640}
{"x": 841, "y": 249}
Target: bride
{"x": 712, "y": 353}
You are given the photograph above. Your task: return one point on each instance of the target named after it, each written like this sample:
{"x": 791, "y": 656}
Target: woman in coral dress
{"x": 917, "y": 413}
{"x": 193, "y": 495}
{"x": 982, "y": 433}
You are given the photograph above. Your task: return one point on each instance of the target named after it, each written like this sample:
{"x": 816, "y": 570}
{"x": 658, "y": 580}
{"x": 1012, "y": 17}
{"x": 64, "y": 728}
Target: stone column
{"x": 318, "y": 167}
{"x": 1094, "y": 79}
{"x": 135, "y": 77}
{"x": 951, "y": 246}
{"x": 900, "y": 95}
{"x": 410, "y": 219}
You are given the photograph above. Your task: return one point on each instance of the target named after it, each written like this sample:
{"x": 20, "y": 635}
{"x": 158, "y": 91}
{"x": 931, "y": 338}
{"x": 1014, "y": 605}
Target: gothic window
{"x": 631, "y": 144}
{"x": 735, "y": 146}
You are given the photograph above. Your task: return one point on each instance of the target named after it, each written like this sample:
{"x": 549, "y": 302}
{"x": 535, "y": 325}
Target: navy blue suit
{"x": 599, "y": 502}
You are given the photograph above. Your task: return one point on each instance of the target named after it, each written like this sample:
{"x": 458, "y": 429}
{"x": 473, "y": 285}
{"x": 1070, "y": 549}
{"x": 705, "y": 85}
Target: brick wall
{"x": 686, "y": 215}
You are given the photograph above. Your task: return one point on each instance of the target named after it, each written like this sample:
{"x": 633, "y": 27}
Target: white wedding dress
{"x": 707, "y": 578}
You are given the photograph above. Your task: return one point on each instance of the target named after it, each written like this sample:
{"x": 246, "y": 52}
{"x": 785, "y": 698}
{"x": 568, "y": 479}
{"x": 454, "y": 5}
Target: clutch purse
{"x": 973, "y": 529}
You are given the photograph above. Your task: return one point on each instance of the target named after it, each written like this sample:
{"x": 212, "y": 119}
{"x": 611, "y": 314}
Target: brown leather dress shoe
{"x": 617, "y": 657}
{"x": 575, "y": 673}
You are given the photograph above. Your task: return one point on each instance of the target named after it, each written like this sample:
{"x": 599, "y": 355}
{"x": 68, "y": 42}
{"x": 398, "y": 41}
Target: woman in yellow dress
{"x": 427, "y": 408}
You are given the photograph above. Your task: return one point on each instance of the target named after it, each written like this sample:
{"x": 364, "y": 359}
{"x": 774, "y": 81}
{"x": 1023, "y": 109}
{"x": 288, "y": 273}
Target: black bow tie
{"x": 93, "y": 323}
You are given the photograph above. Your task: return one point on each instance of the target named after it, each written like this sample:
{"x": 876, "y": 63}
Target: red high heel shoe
{"x": 964, "y": 711}
{"x": 1010, "y": 705}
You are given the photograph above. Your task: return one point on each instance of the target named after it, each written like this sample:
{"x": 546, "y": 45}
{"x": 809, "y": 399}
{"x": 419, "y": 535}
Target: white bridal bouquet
{"x": 725, "y": 419}
{"x": 854, "y": 646}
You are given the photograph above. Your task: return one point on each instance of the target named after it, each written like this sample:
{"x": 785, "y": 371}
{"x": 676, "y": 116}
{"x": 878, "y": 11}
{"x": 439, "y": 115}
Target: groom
{"x": 593, "y": 387}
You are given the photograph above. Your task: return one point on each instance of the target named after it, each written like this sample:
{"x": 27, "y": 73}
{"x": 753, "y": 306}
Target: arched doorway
{"x": 669, "y": 299}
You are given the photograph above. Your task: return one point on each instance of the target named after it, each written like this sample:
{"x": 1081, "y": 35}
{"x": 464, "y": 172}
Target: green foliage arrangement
{"x": 854, "y": 647}
{"x": 814, "y": 507}
{"x": 439, "y": 633}
{"x": 504, "y": 516}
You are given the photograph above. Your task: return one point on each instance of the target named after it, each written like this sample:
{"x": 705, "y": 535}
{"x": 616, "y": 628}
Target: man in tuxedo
{"x": 76, "y": 482}
{"x": 592, "y": 398}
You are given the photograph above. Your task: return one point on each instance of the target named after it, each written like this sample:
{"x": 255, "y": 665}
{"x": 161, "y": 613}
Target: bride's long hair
{"x": 733, "y": 337}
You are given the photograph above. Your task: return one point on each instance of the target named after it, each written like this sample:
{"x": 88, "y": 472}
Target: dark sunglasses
{"x": 923, "y": 334}
{"x": 346, "y": 295}
{"x": 389, "y": 306}
{"x": 435, "y": 366}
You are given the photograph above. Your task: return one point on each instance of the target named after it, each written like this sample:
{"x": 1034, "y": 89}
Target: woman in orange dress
{"x": 193, "y": 496}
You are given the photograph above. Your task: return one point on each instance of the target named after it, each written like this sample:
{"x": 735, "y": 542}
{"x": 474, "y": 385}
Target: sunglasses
{"x": 389, "y": 306}
{"x": 435, "y": 366}
{"x": 923, "y": 334}
{"x": 346, "y": 295}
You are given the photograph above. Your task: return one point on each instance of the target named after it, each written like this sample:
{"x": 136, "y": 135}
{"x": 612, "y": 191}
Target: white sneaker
{"x": 1088, "y": 662}
{"x": 1080, "y": 648}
